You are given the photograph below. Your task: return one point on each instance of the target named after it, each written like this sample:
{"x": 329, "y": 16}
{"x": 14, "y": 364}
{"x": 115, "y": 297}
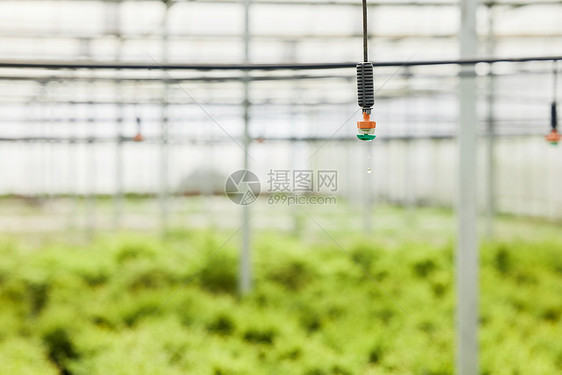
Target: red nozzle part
{"x": 366, "y": 123}
{"x": 553, "y": 137}
{"x": 138, "y": 137}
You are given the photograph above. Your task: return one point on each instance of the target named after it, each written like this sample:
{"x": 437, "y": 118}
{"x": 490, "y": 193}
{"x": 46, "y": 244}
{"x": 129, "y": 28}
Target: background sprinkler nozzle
{"x": 553, "y": 137}
{"x": 138, "y": 137}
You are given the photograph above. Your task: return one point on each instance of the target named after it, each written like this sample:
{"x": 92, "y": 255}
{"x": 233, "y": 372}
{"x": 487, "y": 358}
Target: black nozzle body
{"x": 553, "y": 116}
{"x": 365, "y": 85}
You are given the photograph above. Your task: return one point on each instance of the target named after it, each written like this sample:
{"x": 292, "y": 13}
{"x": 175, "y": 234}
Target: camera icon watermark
{"x": 243, "y": 187}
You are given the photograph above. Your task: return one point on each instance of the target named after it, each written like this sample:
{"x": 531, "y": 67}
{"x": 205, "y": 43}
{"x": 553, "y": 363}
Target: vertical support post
{"x": 44, "y": 186}
{"x": 91, "y": 211}
{"x": 73, "y": 149}
{"x": 490, "y": 141}
{"x": 115, "y": 27}
{"x": 245, "y": 277}
{"x": 91, "y": 169}
{"x": 118, "y": 199}
{"x": 296, "y": 147}
{"x": 409, "y": 152}
{"x": 50, "y": 148}
{"x": 163, "y": 191}
{"x": 293, "y": 162}
{"x": 409, "y": 177}
{"x": 467, "y": 247}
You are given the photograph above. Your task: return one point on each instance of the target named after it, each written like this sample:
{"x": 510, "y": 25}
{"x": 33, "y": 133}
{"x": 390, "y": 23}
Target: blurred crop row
{"x": 131, "y": 304}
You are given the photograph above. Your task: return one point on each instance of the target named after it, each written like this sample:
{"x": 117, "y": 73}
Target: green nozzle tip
{"x": 366, "y": 137}
{"x": 554, "y": 143}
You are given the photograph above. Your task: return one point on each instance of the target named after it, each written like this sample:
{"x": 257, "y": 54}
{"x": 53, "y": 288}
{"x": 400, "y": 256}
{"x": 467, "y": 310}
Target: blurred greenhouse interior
{"x": 183, "y": 191}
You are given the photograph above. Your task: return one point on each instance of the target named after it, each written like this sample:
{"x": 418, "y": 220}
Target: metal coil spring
{"x": 365, "y": 85}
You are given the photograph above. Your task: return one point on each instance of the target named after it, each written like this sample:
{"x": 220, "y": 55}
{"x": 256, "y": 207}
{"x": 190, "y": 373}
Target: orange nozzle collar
{"x": 366, "y": 123}
{"x": 553, "y": 137}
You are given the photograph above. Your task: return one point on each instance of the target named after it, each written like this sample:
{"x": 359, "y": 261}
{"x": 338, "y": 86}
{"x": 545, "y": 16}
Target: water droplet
{"x": 369, "y": 170}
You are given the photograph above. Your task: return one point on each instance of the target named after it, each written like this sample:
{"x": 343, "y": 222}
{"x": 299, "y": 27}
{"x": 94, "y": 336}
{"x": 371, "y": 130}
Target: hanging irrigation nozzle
{"x": 366, "y": 100}
{"x": 138, "y": 137}
{"x": 365, "y": 88}
{"x": 554, "y": 137}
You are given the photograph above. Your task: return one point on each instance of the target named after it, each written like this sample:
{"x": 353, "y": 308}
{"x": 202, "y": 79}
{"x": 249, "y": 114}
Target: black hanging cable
{"x": 553, "y": 114}
{"x": 365, "y": 87}
{"x": 139, "y": 125}
{"x": 365, "y": 34}
{"x": 365, "y": 80}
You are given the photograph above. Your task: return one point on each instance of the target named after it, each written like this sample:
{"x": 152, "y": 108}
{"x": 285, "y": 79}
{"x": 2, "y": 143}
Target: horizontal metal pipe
{"x": 180, "y": 141}
{"x": 258, "y": 37}
{"x": 210, "y": 79}
{"x": 97, "y": 65}
{"x": 378, "y": 3}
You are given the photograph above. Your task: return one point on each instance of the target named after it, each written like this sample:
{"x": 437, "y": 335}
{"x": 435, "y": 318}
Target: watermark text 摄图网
{"x": 302, "y": 181}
